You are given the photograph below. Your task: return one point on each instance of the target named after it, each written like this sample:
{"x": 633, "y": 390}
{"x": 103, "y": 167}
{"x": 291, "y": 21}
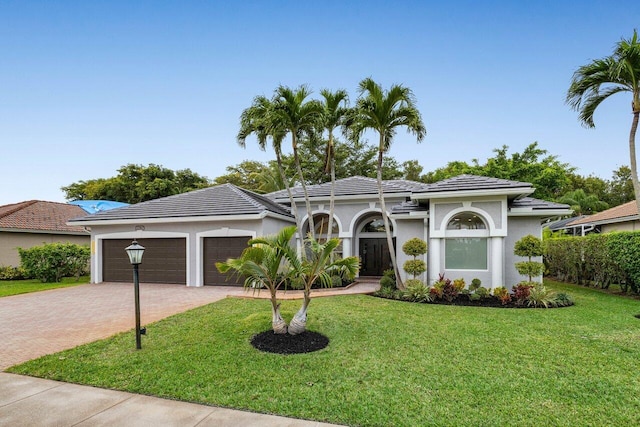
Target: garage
{"x": 220, "y": 249}
{"x": 164, "y": 261}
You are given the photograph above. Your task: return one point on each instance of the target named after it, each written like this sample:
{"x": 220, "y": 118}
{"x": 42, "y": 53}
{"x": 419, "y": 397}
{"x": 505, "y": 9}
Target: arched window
{"x": 321, "y": 224}
{"x": 466, "y": 244}
{"x": 466, "y": 221}
{"x": 375, "y": 225}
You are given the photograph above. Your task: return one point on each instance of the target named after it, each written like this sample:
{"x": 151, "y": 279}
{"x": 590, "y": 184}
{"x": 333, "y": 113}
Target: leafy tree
{"x": 621, "y": 187}
{"x": 583, "y": 204}
{"x": 383, "y": 112}
{"x": 593, "y": 83}
{"x": 529, "y": 246}
{"x": 415, "y": 247}
{"x": 137, "y": 183}
{"x": 247, "y": 174}
{"x": 549, "y": 176}
{"x": 412, "y": 170}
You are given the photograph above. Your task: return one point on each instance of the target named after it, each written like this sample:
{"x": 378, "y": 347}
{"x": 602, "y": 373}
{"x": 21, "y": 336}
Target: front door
{"x": 374, "y": 256}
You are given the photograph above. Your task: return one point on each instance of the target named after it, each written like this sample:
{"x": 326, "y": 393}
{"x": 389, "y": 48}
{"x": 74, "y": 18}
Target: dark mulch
{"x": 305, "y": 342}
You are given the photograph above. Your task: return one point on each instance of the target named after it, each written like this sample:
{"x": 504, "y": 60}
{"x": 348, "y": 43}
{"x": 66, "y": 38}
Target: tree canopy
{"x": 137, "y": 183}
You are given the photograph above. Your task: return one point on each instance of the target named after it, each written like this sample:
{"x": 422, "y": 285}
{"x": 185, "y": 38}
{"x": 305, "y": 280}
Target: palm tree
{"x": 297, "y": 117}
{"x": 265, "y": 264}
{"x": 593, "y": 83}
{"x": 335, "y": 113}
{"x": 583, "y": 204}
{"x": 318, "y": 267}
{"x": 260, "y": 119}
{"x": 385, "y": 111}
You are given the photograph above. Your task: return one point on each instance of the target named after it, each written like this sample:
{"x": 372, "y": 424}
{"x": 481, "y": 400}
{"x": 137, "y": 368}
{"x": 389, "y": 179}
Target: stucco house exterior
{"x": 34, "y": 222}
{"x": 469, "y": 222}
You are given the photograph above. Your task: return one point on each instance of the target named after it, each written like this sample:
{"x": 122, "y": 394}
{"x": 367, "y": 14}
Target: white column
{"x": 346, "y": 247}
{"x": 433, "y": 267}
{"x": 497, "y": 261}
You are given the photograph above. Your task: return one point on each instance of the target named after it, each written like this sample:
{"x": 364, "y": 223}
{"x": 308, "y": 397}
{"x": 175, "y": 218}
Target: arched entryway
{"x": 373, "y": 248}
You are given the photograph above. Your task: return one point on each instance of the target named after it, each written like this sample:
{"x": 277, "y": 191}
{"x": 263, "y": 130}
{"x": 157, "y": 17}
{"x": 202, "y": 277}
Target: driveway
{"x": 46, "y": 322}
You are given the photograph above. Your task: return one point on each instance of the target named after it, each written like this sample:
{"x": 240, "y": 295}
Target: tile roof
{"x": 530, "y": 202}
{"x": 220, "y": 200}
{"x": 474, "y": 182}
{"x": 408, "y": 207}
{"x": 352, "y": 186}
{"x": 38, "y": 215}
{"x": 562, "y": 223}
{"x": 628, "y": 210}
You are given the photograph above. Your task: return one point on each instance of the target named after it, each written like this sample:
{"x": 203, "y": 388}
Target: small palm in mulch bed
{"x": 305, "y": 342}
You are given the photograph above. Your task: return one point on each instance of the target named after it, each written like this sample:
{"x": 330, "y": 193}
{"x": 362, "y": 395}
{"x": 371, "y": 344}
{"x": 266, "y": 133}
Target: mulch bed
{"x": 463, "y": 300}
{"x": 305, "y": 342}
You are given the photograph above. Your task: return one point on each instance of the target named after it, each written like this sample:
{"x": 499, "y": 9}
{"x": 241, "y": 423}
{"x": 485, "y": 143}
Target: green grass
{"x": 389, "y": 363}
{"x": 15, "y": 287}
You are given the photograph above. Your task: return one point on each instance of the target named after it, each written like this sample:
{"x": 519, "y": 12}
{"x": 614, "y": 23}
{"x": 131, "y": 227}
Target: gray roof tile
{"x": 530, "y": 202}
{"x": 225, "y": 199}
{"x": 355, "y": 185}
{"x": 473, "y": 182}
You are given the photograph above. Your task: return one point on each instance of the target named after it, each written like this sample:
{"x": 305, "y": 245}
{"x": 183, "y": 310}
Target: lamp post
{"x": 135, "y": 252}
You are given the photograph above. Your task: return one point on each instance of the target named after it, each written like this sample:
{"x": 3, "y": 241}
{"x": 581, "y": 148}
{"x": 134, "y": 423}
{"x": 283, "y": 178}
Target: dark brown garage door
{"x": 164, "y": 261}
{"x": 220, "y": 249}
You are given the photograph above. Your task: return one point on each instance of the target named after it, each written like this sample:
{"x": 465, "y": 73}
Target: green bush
{"x": 53, "y": 261}
{"x": 596, "y": 260}
{"x": 12, "y": 273}
{"x": 475, "y": 284}
{"x": 502, "y": 294}
{"x": 415, "y": 247}
{"x": 416, "y": 291}
{"x": 540, "y": 296}
{"x": 529, "y": 246}
{"x": 387, "y": 282}
{"x": 415, "y": 267}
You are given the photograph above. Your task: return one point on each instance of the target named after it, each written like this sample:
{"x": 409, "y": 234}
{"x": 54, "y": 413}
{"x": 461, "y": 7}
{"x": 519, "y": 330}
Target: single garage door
{"x": 164, "y": 261}
{"x": 220, "y": 249}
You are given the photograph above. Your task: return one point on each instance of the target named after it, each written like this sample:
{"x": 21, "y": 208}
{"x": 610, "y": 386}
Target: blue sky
{"x": 86, "y": 87}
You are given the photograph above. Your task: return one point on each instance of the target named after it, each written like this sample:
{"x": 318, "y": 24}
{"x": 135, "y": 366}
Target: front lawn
{"x": 389, "y": 363}
{"x": 15, "y": 287}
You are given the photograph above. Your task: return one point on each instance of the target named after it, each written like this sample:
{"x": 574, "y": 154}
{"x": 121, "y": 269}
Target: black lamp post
{"x": 135, "y": 252}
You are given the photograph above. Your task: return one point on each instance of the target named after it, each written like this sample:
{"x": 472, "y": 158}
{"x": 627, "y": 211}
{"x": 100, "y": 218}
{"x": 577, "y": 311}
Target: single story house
{"x": 620, "y": 218}
{"x": 35, "y": 222}
{"x": 470, "y": 223}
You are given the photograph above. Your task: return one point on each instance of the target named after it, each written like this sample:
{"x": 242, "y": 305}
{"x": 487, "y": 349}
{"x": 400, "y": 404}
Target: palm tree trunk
{"x": 385, "y": 218}
{"x": 332, "y": 201}
{"x": 294, "y": 209}
{"x": 304, "y": 186}
{"x": 632, "y": 153}
{"x": 277, "y": 322}
{"x": 299, "y": 322}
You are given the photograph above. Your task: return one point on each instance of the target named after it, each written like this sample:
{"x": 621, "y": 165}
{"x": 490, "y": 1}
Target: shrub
{"x": 459, "y": 284}
{"x": 563, "y": 300}
{"x": 387, "y": 282}
{"x": 416, "y": 291}
{"x": 521, "y": 292}
{"x": 443, "y": 289}
{"x": 385, "y": 293}
{"x": 12, "y": 273}
{"x": 482, "y": 292}
{"x": 529, "y": 246}
{"x": 475, "y": 284}
{"x": 540, "y": 296}
{"x": 414, "y": 247}
{"x": 502, "y": 294}
{"x": 624, "y": 248}
{"x": 53, "y": 261}
{"x": 530, "y": 268}
{"x": 415, "y": 267}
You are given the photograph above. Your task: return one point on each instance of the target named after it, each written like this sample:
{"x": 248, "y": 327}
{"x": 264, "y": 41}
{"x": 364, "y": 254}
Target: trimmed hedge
{"x": 596, "y": 260}
{"x": 51, "y": 262}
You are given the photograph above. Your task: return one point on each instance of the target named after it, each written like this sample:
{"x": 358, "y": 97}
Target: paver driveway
{"x": 46, "y": 322}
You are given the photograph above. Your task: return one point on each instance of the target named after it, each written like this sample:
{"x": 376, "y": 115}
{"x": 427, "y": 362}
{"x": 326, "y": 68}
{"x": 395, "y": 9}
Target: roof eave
{"x": 539, "y": 212}
{"x": 208, "y": 218}
{"x": 523, "y": 191}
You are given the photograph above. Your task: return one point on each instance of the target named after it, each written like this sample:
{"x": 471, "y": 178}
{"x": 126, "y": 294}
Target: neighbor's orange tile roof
{"x": 627, "y": 210}
{"x": 37, "y": 215}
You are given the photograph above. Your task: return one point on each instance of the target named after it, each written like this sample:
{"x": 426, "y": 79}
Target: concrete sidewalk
{"x": 34, "y": 402}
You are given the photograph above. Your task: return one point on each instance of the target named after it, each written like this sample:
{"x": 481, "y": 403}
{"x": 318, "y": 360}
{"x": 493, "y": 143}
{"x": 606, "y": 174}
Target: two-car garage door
{"x": 165, "y": 260}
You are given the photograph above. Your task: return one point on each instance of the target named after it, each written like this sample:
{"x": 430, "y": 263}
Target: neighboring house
{"x": 34, "y": 222}
{"x": 620, "y": 218}
{"x": 471, "y": 224}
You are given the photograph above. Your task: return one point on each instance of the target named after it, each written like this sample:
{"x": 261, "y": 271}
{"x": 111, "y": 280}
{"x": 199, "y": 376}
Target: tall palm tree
{"x": 593, "y": 83}
{"x": 260, "y": 119}
{"x": 383, "y": 112}
{"x": 318, "y": 267}
{"x": 265, "y": 264}
{"x": 335, "y": 113}
{"x": 297, "y": 117}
